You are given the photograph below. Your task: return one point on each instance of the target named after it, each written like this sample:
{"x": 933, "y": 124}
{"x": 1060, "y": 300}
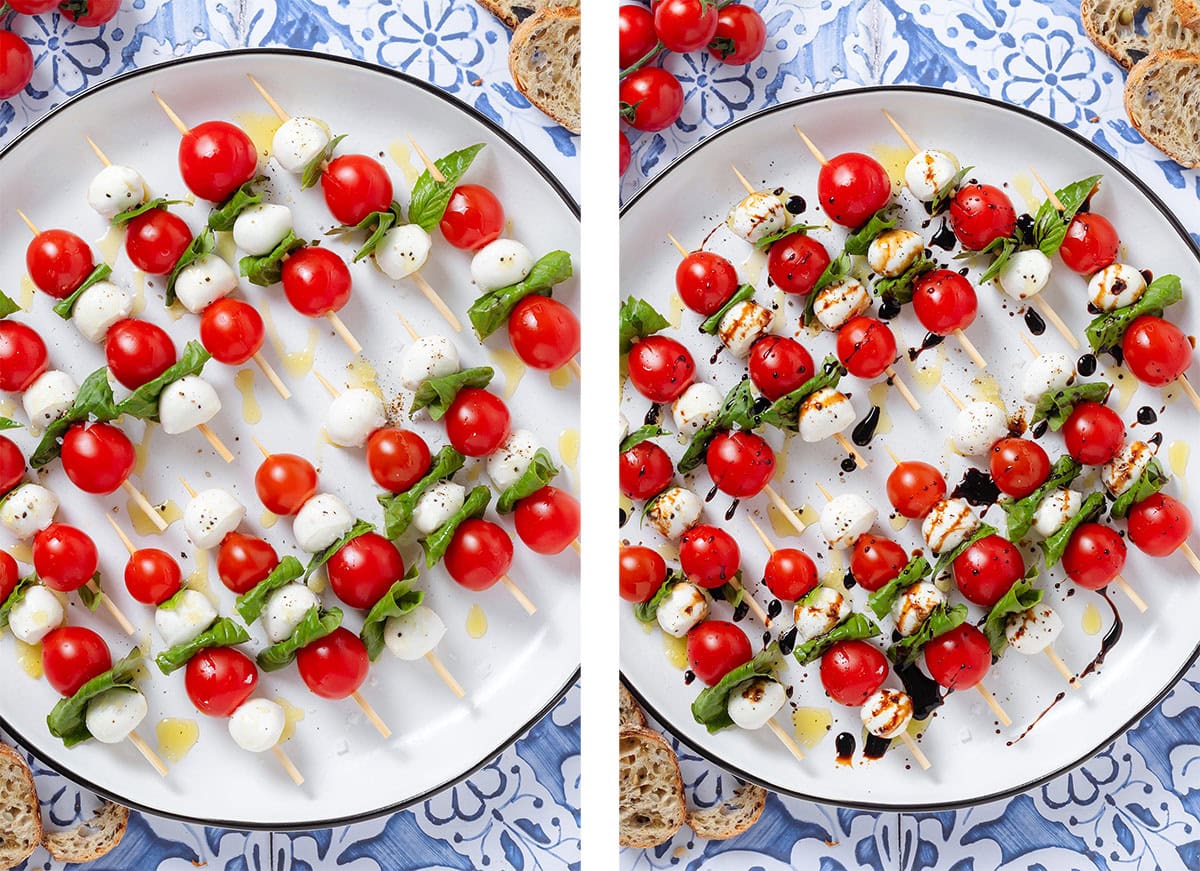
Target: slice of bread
{"x": 20, "y": 814}
{"x": 1189, "y": 13}
{"x": 652, "y": 804}
{"x": 513, "y": 12}
{"x": 95, "y": 838}
{"x": 631, "y": 714}
{"x": 1159, "y": 97}
{"x": 1129, "y": 30}
{"x": 732, "y": 816}
{"x": 544, "y": 61}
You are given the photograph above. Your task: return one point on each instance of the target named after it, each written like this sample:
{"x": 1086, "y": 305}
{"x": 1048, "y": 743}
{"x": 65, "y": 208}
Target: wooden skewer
{"x": 375, "y": 719}
{"x": 175, "y": 119}
{"x": 143, "y": 503}
{"x": 292, "y": 771}
{"x": 125, "y": 540}
{"x": 921, "y": 758}
{"x": 969, "y": 347}
{"x": 1001, "y": 714}
{"x": 1190, "y": 391}
{"x": 786, "y": 740}
{"x": 187, "y": 486}
{"x": 324, "y": 382}
{"x": 848, "y": 447}
{"x": 343, "y": 332}
{"x": 745, "y": 183}
{"x": 786, "y": 510}
{"x": 436, "y": 300}
{"x": 1131, "y": 593}
{"x": 271, "y": 375}
{"x": 218, "y": 445}
{"x": 519, "y": 595}
{"x": 751, "y": 602}
{"x": 908, "y": 140}
{"x": 812, "y": 147}
{"x": 900, "y": 386}
{"x": 111, "y": 607}
{"x": 140, "y": 743}
{"x": 1191, "y": 556}
{"x": 953, "y": 397}
{"x": 573, "y": 365}
{"x": 761, "y": 535}
{"x": 100, "y": 155}
{"x": 892, "y": 454}
{"x": 266, "y": 454}
{"x": 434, "y": 172}
{"x": 275, "y": 107}
{"x": 1052, "y": 316}
{"x": 1070, "y": 678}
{"x": 445, "y": 675}
{"x": 683, "y": 252}
{"x": 28, "y": 223}
{"x": 413, "y": 334}
{"x": 1033, "y": 349}
{"x": 828, "y": 496}
{"x": 577, "y": 546}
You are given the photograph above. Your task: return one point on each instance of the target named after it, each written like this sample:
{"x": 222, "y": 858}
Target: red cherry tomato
{"x": 1094, "y": 555}
{"x": 138, "y": 351}
{"x": 636, "y": 36}
{"x": 944, "y": 301}
{"x": 98, "y": 12}
{"x": 73, "y": 655}
{"x": 479, "y": 554}
{"x": 709, "y": 556}
{"x": 473, "y": 218}
{"x": 624, "y": 153}
{"x": 219, "y": 679}
{"x": 1018, "y": 466}
{"x": 1090, "y": 245}
{"x": 12, "y": 465}
{"x": 852, "y": 187}
{"x": 661, "y": 368}
{"x": 851, "y": 671}
{"x": 33, "y": 7}
{"x": 705, "y": 281}
{"x": 914, "y": 488}
{"x": 795, "y": 263}
{"x": 547, "y": 520}
{"x": 778, "y": 365}
{"x": 1094, "y": 433}
{"x": 866, "y": 347}
{"x": 740, "y": 36}
{"x": 284, "y": 482}
{"x": 715, "y": 648}
{"x": 362, "y": 571}
{"x": 644, "y": 470}
{"x": 356, "y": 185}
{"x": 1156, "y": 351}
{"x": 335, "y": 666}
{"x": 987, "y": 569}
{"x": 10, "y": 575}
{"x": 790, "y": 574}
{"x": 232, "y": 331}
{"x": 155, "y": 240}
{"x": 875, "y": 560}
{"x": 960, "y": 658}
{"x": 215, "y": 159}
{"x": 543, "y": 332}
{"x": 64, "y": 557}
{"x": 397, "y": 458}
{"x": 642, "y": 572}
{"x": 477, "y": 422}
{"x": 685, "y": 25}
{"x": 58, "y": 262}
{"x": 316, "y": 281}
{"x": 152, "y": 576}
{"x": 244, "y": 560}
{"x": 97, "y": 457}
{"x": 16, "y": 64}
{"x": 1159, "y": 524}
{"x": 23, "y": 356}
{"x": 980, "y": 214}
{"x": 740, "y": 463}
{"x": 651, "y": 99}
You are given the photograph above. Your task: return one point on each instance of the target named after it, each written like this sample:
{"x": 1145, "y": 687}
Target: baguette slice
{"x": 1113, "y": 26}
{"x": 652, "y": 804}
{"x": 95, "y": 838}
{"x": 731, "y": 817}
{"x": 1189, "y": 13}
{"x": 1161, "y": 97}
{"x": 20, "y": 814}
{"x": 544, "y": 61}
{"x": 631, "y": 714}
{"x": 512, "y": 12}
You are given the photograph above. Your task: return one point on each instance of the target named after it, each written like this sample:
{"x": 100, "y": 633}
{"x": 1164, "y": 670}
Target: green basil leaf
{"x": 396, "y": 602}
{"x": 638, "y": 319}
{"x": 315, "y": 168}
{"x": 941, "y": 621}
{"x": 647, "y": 612}
{"x": 737, "y": 410}
{"x": 223, "y": 632}
{"x": 942, "y": 198}
{"x": 430, "y": 198}
{"x": 378, "y": 223}
{"x": 945, "y": 560}
{"x": 540, "y": 472}
{"x": 880, "y": 601}
{"x": 1050, "y": 225}
{"x": 9, "y": 423}
{"x": 8, "y": 305}
{"x": 398, "y": 507}
{"x": 899, "y": 290}
{"x": 837, "y": 270}
{"x": 120, "y": 219}
{"x": 1055, "y": 406}
{"x": 1148, "y": 483}
{"x": 711, "y": 707}
{"x": 1020, "y": 597}
{"x": 201, "y": 246}
{"x": 436, "y": 542}
{"x": 1107, "y": 330}
{"x": 93, "y": 401}
{"x": 143, "y": 402}
{"x": 317, "y": 623}
{"x": 635, "y": 438}
{"x": 268, "y": 269}
{"x": 855, "y": 627}
{"x": 1054, "y": 546}
{"x": 91, "y": 596}
{"x": 784, "y": 412}
{"x": 67, "y": 720}
{"x": 437, "y": 394}
{"x": 767, "y": 241}
{"x": 1019, "y": 513}
{"x": 222, "y": 218}
{"x": 713, "y": 321}
{"x": 14, "y": 598}
{"x": 732, "y": 592}
{"x": 360, "y": 527}
{"x": 250, "y": 604}
{"x": 64, "y": 307}
{"x": 491, "y": 310}
{"x": 859, "y": 242}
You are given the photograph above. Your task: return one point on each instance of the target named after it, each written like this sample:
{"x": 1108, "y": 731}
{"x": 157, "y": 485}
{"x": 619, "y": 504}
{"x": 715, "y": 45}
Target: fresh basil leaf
{"x": 855, "y": 627}
{"x": 268, "y": 269}
{"x": 200, "y": 246}
{"x": 1107, "y": 330}
{"x": 732, "y": 592}
{"x": 491, "y": 310}
{"x": 120, "y": 219}
{"x": 315, "y": 168}
{"x": 14, "y": 598}
{"x": 767, "y": 241}
{"x": 713, "y": 321}
{"x": 398, "y": 507}
{"x": 1019, "y": 513}
{"x": 90, "y": 593}
{"x": 1054, "y": 546}
{"x": 1003, "y": 247}
{"x": 638, "y": 319}
{"x": 93, "y": 401}
{"x": 837, "y": 270}
{"x": 941, "y": 621}
{"x": 942, "y": 198}
{"x": 436, "y": 543}
{"x": 222, "y": 218}
{"x": 360, "y": 528}
{"x": 1020, "y": 597}
{"x": 143, "y": 402}
{"x": 784, "y": 412}
{"x": 635, "y": 438}
{"x": 946, "y": 559}
{"x": 378, "y": 223}
{"x": 1148, "y": 483}
{"x": 64, "y": 307}
{"x": 540, "y": 472}
{"x": 8, "y": 305}
{"x": 8, "y": 423}
{"x": 250, "y": 604}
{"x": 67, "y": 720}
{"x": 437, "y": 394}
{"x": 899, "y": 290}
{"x": 430, "y": 198}
{"x": 859, "y": 242}
{"x": 711, "y": 707}
{"x": 396, "y": 602}
{"x": 880, "y": 601}
{"x": 736, "y": 410}
{"x": 647, "y": 612}
{"x": 317, "y": 623}
{"x": 1055, "y": 406}
{"x": 1050, "y": 225}
{"x": 223, "y": 632}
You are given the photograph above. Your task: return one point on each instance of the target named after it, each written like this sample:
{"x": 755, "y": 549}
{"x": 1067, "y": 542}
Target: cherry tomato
{"x": 473, "y": 217}
{"x": 1018, "y": 466}
{"x": 960, "y": 658}
{"x": 97, "y": 457}
{"x": 284, "y": 482}
{"x": 1094, "y": 555}
{"x": 73, "y": 655}
{"x": 316, "y": 281}
{"x": 138, "y": 351}
{"x": 851, "y": 671}
{"x": 644, "y": 470}
{"x": 152, "y": 576}
{"x": 914, "y": 488}
{"x": 987, "y": 569}
{"x": 477, "y": 422}
{"x": 64, "y": 557}
{"x": 795, "y": 263}
{"x": 479, "y": 554}
{"x": 651, "y": 99}
{"x": 356, "y": 185}
{"x": 624, "y": 153}
{"x": 543, "y": 332}
{"x": 335, "y": 666}
{"x": 1090, "y": 245}
{"x": 33, "y": 7}
{"x": 866, "y": 347}
{"x": 155, "y": 240}
{"x": 397, "y": 458}
{"x": 219, "y": 679}
{"x": 1094, "y": 433}
{"x": 363, "y": 570}
{"x": 944, "y": 301}
{"x": 215, "y": 159}
{"x": 705, "y": 281}
{"x": 852, "y": 187}
{"x": 16, "y": 64}
{"x": 661, "y": 368}
{"x": 642, "y": 572}
{"x": 778, "y": 365}
{"x": 547, "y": 520}
{"x": 685, "y": 25}
{"x": 709, "y": 556}
{"x": 23, "y": 356}
{"x": 1159, "y": 524}
{"x": 58, "y": 262}
{"x": 740, "y": 36}
{"x": 980, "y": 214}
{"x": 740, "y": 463}
{"x": 244, "y": 560}
{"x": 232, "y": 331}
{"x": 715, "y": 648}
{"x": 12, "y": 465}
{"x": 10, "y": 575}
{"x": 98, "y": 12}
{"x": 790, "y": 574}
{"x": 636, "y": 36}
{"x": 1156, "y": 351}
{"x": 875, "y": 560}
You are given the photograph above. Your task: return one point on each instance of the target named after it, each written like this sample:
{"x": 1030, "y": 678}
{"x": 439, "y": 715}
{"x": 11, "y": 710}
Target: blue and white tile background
{"x": 1137, "y": 804}
{"x": 522, "y": 810}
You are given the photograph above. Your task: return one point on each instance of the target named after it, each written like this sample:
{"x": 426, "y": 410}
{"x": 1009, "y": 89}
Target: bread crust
{"x": 1189, "y": 13}
{"x": 1140, "y": 78}
{"x": 731, "y": 817}
{"x": 631, "y": 712}
{"x": 21, "y": 821}
{"x": 668, "y": 796}
{"x": 524, "y": 43}
{"x": 91, "y": 840}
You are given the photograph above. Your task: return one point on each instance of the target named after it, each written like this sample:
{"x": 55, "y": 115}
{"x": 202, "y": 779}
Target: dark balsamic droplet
{"x": 1146, "y": 415}
{"x": 888, "y": 309}
{"x": 1034, "y": 322}
{"x": 732, "y": 509}
{"x": 977, "y": 487}
{"x": 1148, "y": 275}
{"x": 1156, "y": 439}
{"x": 689, "y": 676}
{"x": 1025, "y": 224}
{"x": 796, "y": 205}
{"x": 766, "y": 638}
{"x": 1039, "y": 428}
{"x": 774, "y": 608}
{"x": 944, "y": 238}
{"x": 760, "y": 406}
{"x": 931, "y": 340}
{"x": 1086, "y": 365}
{"x": 925, "y": 692}
{"x": 624, "y": 518}
{"x": 740, "y": 612}
{"x": 844, "y": 744}
{"x": 716, "y": 354}
{"x": 864, "y": 430}
{"x": 653, "y": 415}
{"x": 849, "y": 581}
{"x": 874, "y": 747}
{"x": 849, "y": 464}
{"x": 788, "y": 642}
{"x": 1110, "y": 639}
{"x": 712, "y": 494}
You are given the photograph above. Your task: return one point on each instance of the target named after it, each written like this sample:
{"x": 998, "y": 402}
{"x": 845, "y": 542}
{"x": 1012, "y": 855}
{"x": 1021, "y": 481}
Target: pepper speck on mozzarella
{"x": 674, "y": 512}
{"x": 210, "y": 516}
{"x": 825, "y": 413}
{"x": 437, "y": 505}
{"x": 1055, "y": 510}
{"x": 36, "y": 615}
{"x": 744, "y": 324}
{"x": 187, "y": 403}
{"x": 98, "y": 308}
{"x": 297, "y": 142}
{"x": 913, "y": 606}
{"x": 28, "y": 509}
{"x": 113, "y": 714}
{"x": 413, "y": 634}
{"x": 203, "y": 282}
{"x": 1025, "y": 274}
{"x": 403, "y": 251}
{"x": 285, "y": 609}
{"x": 49, "y": 397}
{"x": 893, "y": 251}
{"x": 115, "y": 189}
{"x": 696, "y": 407}
{"x": 685, "y": 606}
{"x": 428, "y": 357}
{"x": 506, "y": 466}
{"x": 753, "y": 703}
{"x": 845, "y": 517}
{"x": 977, "y": 427}
{"x": 1030, "y": 632}
{"x": 500, "y": 264}
{"x": 841, "y": 302}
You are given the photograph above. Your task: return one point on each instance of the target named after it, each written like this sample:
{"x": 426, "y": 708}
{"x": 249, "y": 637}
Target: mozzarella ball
{"x": 696, "y": 407}
{"x": 948, "y": 524}
{"x": 819, "y": 612}
{"x": 297, "y": 142}
{"x": 893, "y": 251}
{"x": 1116, "y": 286}
{"x": 187, "y": 403}
{"x": 978, "y": 426}
{"x": 684, "y": 607}
{"x": 113, "y": 714}
{"x": 1025, "y": 273}
{"x": 428, "y": 357}
{"x": 1046, "y": 373}
{"x": 913, "y": 607}
{"x": 1030, "y": 632}
{"x": 754, "y": 702}
{"x": 841, "y": 302}
{"x": 624, "y": 428}
{"x": 437, "y": 505}
{"x": 886, "y": 713}
{"x": 285, "y": 609}
{"x": 674, "y": 512}
{"x": 1056, "y": 509}
{"x": 49, "y": 397}
{"x": 98, "y": 308}
{"x": 203, "y": 282}
{"x": 210, "y": 516}
{"x": 506, "y": 466}
{"x": 759, "y": 215}
{"x": 500, "y": 264}
{"x": 28, "y": 509}
{"x": 189, "y": 614}
{"x": 825, "y": 413}
{"x": 38, "y": 612}
{"x": 260, "y": 228}
{"x": 352, "y": 416}
{"x": 321, "y": 521}
{"x": 414, "y": 633}
{"x": 257, "y": 725}
{"x": 845, "y": 517}
{"x": 403, "y": 251}
{"x": 115, "y": 189}
{"x": 1122, "y": 471}
{"x": 744, "y": 324}
{"x": 929, "y": 173}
